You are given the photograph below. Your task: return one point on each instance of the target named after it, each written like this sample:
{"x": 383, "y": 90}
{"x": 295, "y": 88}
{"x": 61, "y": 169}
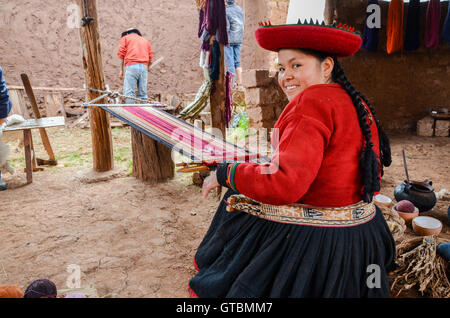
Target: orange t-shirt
{"x": 135, "y": 50}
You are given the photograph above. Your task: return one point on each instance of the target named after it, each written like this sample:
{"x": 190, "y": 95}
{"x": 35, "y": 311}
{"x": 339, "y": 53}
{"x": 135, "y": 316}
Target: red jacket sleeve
{"x": 122, "y": 51}
{"x": 296, "y": 160}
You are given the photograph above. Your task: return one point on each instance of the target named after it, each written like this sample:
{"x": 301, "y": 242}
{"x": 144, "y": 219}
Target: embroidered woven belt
{"x": 300, "y": 214}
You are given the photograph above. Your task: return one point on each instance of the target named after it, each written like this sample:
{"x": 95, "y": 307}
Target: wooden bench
{"x": 26, "y": 127}
{"x": 19, "y": 107}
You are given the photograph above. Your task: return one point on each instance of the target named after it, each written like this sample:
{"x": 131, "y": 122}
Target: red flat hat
{"x": 340, "y": 40}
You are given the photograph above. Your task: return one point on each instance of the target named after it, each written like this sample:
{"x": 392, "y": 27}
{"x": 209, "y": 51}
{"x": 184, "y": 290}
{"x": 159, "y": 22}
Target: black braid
{"x": 369, "y": 163}
{"x": 368, "y": 159}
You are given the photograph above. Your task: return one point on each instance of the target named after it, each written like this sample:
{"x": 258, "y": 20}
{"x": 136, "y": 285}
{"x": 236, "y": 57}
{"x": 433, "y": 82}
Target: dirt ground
{"x": 133, "y": 239}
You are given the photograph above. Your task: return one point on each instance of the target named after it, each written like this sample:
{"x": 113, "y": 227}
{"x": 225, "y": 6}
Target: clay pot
{"x": 426, "y": 225}
{"x": 421, "y": 194}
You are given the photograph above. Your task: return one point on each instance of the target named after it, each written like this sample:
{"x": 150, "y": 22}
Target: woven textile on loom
{"x": 182, "y": 136}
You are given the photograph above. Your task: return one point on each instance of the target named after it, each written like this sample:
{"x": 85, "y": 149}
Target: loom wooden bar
{"x": 102, "y": 148}
{"x": 50, "y": 89}
{"x": 42, "y": 131}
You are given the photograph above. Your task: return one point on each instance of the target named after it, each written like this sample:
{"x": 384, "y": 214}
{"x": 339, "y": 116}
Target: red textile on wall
{"x": 319, "y": 148}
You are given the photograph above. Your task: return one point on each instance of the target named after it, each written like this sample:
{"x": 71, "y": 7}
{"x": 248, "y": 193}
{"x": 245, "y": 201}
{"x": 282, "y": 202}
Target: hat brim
{"x": 334, "y": 41}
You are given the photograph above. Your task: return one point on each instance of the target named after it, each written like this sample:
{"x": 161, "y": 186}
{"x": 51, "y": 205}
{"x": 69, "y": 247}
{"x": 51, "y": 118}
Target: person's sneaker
{"x": 3, "y": 185}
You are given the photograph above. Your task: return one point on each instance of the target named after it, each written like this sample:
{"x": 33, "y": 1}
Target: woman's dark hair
{"x": 131, "y": 31}
{"x": 369, "y": 164}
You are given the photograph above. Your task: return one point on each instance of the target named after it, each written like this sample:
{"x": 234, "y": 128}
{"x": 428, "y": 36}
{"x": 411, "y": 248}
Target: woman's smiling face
{"x": 298, "y": 71}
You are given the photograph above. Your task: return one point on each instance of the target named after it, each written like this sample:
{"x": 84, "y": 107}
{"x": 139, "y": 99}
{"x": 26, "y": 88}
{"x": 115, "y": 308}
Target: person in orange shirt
{"x": 137, "y": 55}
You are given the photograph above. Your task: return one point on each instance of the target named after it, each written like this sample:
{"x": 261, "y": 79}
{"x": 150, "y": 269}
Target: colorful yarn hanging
{"x": 10, "y": 291}
{"x": 370, "y": 35}
{"x": 395, "y": 27}
{"x": 215, "y": 62}
{"x": 413, "y": 26}
{"x": 217, "y": 20}
{"x": 432, "y": 24}
{"x": 446, "y": 29}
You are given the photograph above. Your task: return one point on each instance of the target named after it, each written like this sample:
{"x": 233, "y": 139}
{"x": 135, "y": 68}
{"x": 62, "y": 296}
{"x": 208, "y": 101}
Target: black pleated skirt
{"x": 243, "y": 256}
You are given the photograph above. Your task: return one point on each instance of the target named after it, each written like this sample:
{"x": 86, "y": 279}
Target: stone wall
{"x": 263, "y": 97}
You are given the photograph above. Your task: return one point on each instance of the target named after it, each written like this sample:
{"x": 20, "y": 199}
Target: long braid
{"x": 368, "y": 161}
{"x": 385, "y": 146}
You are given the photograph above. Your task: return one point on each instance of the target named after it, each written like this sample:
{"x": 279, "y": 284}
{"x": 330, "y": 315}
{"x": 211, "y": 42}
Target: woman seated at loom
{"x": 326, "y": 237}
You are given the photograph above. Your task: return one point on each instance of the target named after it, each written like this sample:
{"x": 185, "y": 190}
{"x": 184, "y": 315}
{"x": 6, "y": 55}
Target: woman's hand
{"x": 209, "y": 183}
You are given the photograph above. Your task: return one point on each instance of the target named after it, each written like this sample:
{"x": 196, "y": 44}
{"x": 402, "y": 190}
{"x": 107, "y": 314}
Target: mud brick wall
{"x": 263, "y": 97}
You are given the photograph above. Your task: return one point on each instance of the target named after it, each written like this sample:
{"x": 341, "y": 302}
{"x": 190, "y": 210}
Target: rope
{"x": 110, "y": 94}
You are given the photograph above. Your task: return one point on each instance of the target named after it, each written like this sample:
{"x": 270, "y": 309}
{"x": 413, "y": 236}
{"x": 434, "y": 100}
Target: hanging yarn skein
{"x": 370, "y": 35}
{"x": 413, "y": 26}
{"x": 432, "y": 24}
{"x": 394, "y": 28}
{"x": 446, "y": 28}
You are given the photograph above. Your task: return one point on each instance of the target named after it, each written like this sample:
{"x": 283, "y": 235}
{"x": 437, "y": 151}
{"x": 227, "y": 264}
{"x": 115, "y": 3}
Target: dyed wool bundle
{"x": 446, "y": 29}
{"x": 413, "y": 26}
{"x": 212, "y": 21}
{"x": 395, "y": 26}
{"x": 433, "y": 23}
{"x": 10, "y": 291}
{"x": 370, "y": 35}
{"x": 215, "y": 63}
{"x": 41, "y": 288}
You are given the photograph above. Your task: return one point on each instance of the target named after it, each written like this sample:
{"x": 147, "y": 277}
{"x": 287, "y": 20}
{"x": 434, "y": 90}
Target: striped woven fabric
{"x": 181, "y": 136}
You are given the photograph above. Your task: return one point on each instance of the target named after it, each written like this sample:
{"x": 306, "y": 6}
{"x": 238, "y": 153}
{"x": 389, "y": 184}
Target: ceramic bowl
{"x": 383, "y": 200}
{"x": 426, "y": 225}
{"x": 407, "y": 216}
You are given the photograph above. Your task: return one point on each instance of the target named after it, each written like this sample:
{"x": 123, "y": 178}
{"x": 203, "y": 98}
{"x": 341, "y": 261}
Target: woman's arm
{"x": 296, "y": 161}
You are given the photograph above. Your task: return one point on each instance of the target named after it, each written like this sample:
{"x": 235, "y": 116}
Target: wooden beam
{"x": 102, "y": 148}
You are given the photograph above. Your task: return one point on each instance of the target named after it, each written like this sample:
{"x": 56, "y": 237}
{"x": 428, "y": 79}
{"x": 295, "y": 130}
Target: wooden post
{"x": 217, "y": 98}
{"x": 217, "y": 103}
{"x": 102, "y": 148}
{"x": 152, "y": 161}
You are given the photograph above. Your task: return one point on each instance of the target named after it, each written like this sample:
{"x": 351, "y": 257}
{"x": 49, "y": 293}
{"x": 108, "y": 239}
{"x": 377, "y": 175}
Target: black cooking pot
{"x": 421, "y": 194}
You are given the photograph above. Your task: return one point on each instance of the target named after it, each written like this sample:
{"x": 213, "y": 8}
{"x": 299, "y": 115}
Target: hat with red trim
{"x": 338, "y": 40}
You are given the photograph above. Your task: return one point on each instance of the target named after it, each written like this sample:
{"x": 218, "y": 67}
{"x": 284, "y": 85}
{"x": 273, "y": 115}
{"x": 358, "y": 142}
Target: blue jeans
{"x": 135, "y": 75}
{"x": 232, "y": 57}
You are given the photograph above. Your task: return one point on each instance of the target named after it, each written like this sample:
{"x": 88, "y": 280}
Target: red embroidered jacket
{"x": 320, "y": 143}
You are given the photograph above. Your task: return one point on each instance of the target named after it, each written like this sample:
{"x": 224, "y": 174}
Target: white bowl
{"x": 383, "y": 199}
{"x": 426, "y": 225}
